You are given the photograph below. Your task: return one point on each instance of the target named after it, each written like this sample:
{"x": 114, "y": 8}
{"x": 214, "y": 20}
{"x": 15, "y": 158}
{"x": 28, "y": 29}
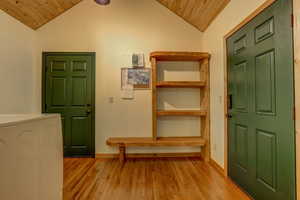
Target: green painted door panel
{"x": 69, "y": 90}
{"x": 59, "y": 90}
{"x": 265, "y": 83}
{"x": 261, "y": 86}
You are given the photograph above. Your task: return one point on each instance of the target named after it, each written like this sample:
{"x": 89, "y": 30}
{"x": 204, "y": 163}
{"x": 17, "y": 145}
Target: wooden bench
{"x": 122, "y": 143}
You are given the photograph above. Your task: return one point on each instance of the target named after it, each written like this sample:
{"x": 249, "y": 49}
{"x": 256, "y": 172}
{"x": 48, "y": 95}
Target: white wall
{"x": 17, "y": 45}
{"x": 114, "y": 33}
{"x": 232, "y": 15}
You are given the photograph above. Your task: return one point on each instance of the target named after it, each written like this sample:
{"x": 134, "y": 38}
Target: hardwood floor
{"x": 146, "y": 179}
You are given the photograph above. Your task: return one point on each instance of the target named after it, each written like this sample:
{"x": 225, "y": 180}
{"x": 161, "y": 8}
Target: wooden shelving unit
{"x": 179, "y": 56}
{"x": 203, "y": 85}
{"x": 181, "y": 84}
{"x": 195, "y": 113}
{"x": 203, "y": 140}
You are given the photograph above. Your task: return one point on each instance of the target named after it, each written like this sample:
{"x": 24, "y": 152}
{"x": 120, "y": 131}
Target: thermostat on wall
{"x": 138, "y": 60}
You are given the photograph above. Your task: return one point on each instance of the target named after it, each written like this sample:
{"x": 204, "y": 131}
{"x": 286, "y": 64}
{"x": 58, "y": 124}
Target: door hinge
{"x": 292, "y": 20}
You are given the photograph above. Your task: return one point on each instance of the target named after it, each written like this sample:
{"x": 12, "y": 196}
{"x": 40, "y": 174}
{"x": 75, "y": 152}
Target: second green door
{"x": 69, "y": 90}
{"x": 261, "y": 101}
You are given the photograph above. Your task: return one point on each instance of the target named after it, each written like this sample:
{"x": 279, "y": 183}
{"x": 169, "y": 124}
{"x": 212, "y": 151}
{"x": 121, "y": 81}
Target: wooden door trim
{"x": 259, "y": 10}
{"x": 93, "y": 56}
{"x": 297, "y": 93}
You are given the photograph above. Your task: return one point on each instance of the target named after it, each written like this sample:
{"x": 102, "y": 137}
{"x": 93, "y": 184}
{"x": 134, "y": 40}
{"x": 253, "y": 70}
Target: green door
{"x": 261, "y": 101}
{"x": 68, "y": 89}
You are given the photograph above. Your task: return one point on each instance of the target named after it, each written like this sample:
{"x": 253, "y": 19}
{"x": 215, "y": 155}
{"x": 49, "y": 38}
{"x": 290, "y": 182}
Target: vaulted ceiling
{"x": 35, "y": 13}
{"x": 199, "y": 13}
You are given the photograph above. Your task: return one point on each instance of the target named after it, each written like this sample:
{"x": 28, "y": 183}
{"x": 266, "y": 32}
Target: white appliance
{"x": 31, "y": 157}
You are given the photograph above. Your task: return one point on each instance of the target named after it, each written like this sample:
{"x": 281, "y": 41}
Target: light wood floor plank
{"x": 146, "y": 179}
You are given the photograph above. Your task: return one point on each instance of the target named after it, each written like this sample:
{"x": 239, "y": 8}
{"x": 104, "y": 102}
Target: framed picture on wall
{"x": 140, "y": 78}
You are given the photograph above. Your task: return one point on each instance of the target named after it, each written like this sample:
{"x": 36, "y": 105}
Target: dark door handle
{"x": 230, "y": 101}
{"x": 88, "y": 111}
{"x": 229, "y": 116}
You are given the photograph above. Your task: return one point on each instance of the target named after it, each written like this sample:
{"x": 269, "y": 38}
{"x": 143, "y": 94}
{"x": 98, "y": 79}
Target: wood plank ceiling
{"x": 199, "y": 13}
{"x": 35, "y": 13}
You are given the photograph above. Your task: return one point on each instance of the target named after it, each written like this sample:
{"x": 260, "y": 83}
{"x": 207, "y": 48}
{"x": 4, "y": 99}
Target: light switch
{"x": 111, "y": 100}
{"x": 220, "y": 99}
{"x": 215, "y": 147}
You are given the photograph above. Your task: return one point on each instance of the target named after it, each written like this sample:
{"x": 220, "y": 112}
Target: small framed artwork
{"x": 139, "y": 78}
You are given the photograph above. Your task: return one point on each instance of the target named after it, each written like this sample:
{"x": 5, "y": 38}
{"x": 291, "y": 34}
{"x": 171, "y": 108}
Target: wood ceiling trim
{"x": 199, "y": 13}
{"x": 36, "y": 13}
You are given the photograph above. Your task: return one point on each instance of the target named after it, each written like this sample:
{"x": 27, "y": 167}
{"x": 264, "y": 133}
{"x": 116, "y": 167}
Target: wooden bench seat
{"x": 122, "y": 143}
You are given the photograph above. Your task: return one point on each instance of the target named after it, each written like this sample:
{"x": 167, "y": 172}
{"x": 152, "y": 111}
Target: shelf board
{"x": 179, "y": 56}
{"x": 181, "y": 84}
{"x": 195, "y": 113}
{"x": 161, "y": 141}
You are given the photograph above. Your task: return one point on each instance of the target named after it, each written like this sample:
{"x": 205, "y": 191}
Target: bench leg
{"x": 122, "y": 150}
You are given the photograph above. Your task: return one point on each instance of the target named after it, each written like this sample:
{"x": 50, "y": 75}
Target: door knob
{"x": 230, "y": 101}
{"x": 229, "y": 116}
